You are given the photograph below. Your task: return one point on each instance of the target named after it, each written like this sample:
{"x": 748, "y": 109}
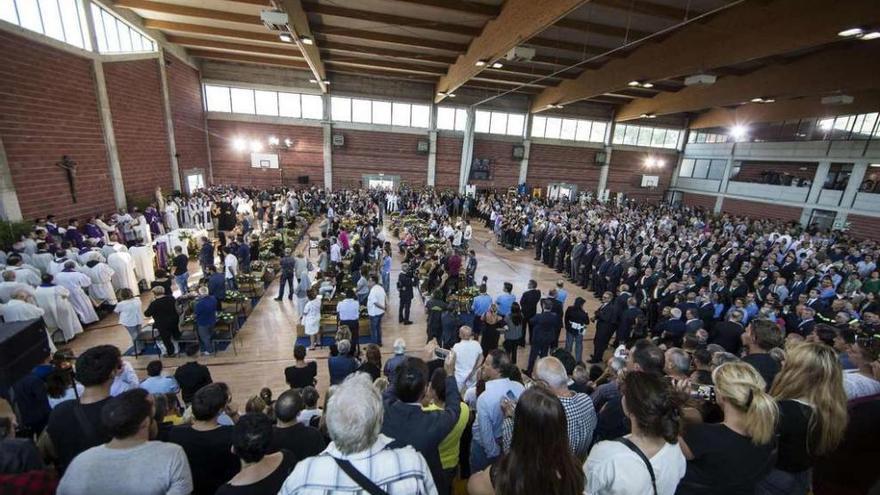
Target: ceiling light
{"x": 660, "y": 163}
{"x": 847, "y": 33}
{"x": 650, "y": 162}
{"x": 288, "y": 142}
{"x": 480, "y": 63}
{"x": 739, "y": 132}
{"x": 647, "y": 85}
{"x": 634, "y": 84}
{"x": 307, "y": 41}
{"x": 285, "y": 37}
{"x": 873, "y": 35}
{"x": 256, "y": 146}
{"x": 273, "y": 141}
{"x": 315, "y": 81}
{"x": 444, "y": 94}
{"x": 497, "y": 65}
{"x": 874, "y": 165}
{"x": 757, "y": 100}
{"x": 555, "y": 106}
{"x": 239, "y": 144}
{"x": 648, "y": 116}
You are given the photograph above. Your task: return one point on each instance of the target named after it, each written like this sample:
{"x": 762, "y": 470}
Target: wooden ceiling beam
{"x": 603, "y": 29}
{"x": 518, "y": 21}
{"x": 283, "y": 49}
{"x": 646, "y": 8}
{"x": 187, "y": 11}
{"x": 253, "y": 59}
{"x": 458, "y": 6}
{"x": 389, "y": 38}
{"x": 390, "y": 19}
{"x": 798, "y": 108}
{"x": 775, "y": 27}
{"x": 299, "y": 29}
{"x": 828, "y": 71}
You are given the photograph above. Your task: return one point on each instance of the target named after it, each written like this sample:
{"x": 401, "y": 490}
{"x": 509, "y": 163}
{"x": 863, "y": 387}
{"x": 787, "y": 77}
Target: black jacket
{"x": 545, "y": 327}
{"x": 163, "y": 310}
{"x": 728, "y": 335}
{"x": 529, "y": 302}
{"x": 405, "y": 286}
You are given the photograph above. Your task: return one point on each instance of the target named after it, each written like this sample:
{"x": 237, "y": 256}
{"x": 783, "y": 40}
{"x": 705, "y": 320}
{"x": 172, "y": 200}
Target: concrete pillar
{"x": 722, "y": 186}
{"x": 467, "y": 151}
{"x": 432, "y": 158}
{"x": 603, "y": 172}
{"x": 10, "y": 209}
{"x": 852, "y": 186}
{"x": 328, "y": 156}
{"x": 818, "y": 181}
{"x": 109, "y": 136}
{"x": 169, "y": 123}
{"x": 524, "y": 163}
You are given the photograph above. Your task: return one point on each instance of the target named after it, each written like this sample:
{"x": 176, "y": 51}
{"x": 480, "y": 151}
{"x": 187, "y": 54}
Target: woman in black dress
{"x": 492, "y": 321}
{"x": 302, "y": 373}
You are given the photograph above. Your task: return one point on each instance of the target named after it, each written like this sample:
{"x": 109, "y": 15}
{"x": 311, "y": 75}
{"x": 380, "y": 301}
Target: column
{"x": 9, "y": 207}
{"x": 524, "y": 163}
{"x": 169, "y": 122}
{"x": 722, "y": 187}
{"x": 432, "y": 158}
{"x": 818, "y": 181}
{"x": 854, "y": 184}
{"x": 603, "y": 172}
{"x": 328, "y": 156}
{"x": 109, "y": 136}
{"x": 467, "y": 151}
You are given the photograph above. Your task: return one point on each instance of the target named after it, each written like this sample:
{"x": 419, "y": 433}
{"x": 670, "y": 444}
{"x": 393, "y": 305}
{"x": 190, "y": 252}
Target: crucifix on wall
{"x": 69, "y": 166}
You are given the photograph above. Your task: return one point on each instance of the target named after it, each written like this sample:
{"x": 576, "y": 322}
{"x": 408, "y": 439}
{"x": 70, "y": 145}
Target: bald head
{"x": 9, "y": 276}
{"x": 465, "y": 332}
{"x": 551, "y": 371}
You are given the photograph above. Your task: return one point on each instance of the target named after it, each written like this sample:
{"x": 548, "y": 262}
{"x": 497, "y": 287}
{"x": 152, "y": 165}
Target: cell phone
{"x": 705, "y": 392}
{"x": 441, "y": 353}
{"x": 510, "y": 396}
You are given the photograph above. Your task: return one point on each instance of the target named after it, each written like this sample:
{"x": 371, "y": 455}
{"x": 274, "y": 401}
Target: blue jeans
{"x": 181, "y": 281}
{"x": 778, "y": 482}
{"x": 479, "y": 460}
{"x": 376, "y": 329}
{"x": 578, "y": 341}
{"x": 231, "y": 284}
{"x": 386, "y": 281}
{"x": 205, "y": 333}
{"x": 285, "y": 279}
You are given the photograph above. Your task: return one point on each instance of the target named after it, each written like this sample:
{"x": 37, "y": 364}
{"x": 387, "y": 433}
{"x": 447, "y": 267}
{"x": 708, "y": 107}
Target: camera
{"x": 441, "y": 353}
{"x": 704, "y": 392}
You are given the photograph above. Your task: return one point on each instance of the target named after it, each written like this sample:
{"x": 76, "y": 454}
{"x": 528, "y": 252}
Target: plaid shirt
{"x": 581, "y": 418}
{"x": 29, "y": 483}
{"x": 397, "y": 471}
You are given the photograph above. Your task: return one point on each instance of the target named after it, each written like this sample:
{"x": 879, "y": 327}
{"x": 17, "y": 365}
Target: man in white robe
{"x": 76, "y": 283}
{"x": 142, "y": 257}
{"x": 42, "y": 259}
{"x": 113, "y": 247}
{"x": 19, "y": 309}
{"x": 101, "y": 290}
{"x": 123, "y": 272}
{"x": 141, "y": 228}
{"x": 9, "y": 287}
{"x": 25, "y": 274}
{"x": 53, "y": 299}
{"x": 106, "y": 229}
{"x": 171, "y": 210}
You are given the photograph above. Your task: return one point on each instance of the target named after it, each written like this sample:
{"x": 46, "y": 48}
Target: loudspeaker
{"x": 23, "y": 345}
{"x": 519, "y": 152}
{"x": 338, "y": 140}
{"x": 303, "y": 179}
{"x": 423, "y": 146}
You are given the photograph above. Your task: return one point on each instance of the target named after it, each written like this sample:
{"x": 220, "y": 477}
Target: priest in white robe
{"x": 42, "y": 259}
{"x": 141, "y": 228}
{"x": 25, "y": 274}
{"x": 101, "y": 290}
{"x": 9, "y": 286}
{"x": 54, "y": 300}
{"x": 76, "y": 283}
{"x": 171, "y": 210}
{"x": 19, "y": 309}
{"x": 142, "y": 257}
{"x": 123, "y": 272}
{"x": 113, "y": 246}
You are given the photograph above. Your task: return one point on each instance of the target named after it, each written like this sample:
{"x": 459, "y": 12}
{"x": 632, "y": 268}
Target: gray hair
{"x": 679, "y": 360}
{"x": 69, "y": 264}
{"x": 158, "y": 290}
{"x": 714, "y": 348}
{"x": 551, "y": 371}
{"x": 9, "y": 275}
{"x": 354, "y": 414}
{"x": 343, "y": 346}
{"x": 736, "y": 315}
{"x": 720, "y": 358}
{"x": 399, "y": 346}
{"x": 617, "y": 364}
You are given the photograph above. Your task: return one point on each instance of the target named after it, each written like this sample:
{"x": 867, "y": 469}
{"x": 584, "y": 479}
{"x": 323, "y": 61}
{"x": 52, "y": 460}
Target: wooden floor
{"x": 265, "y": 343}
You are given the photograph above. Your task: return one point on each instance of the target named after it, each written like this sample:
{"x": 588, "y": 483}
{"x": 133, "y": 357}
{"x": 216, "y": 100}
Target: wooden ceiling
{"x": 586, "y": 50}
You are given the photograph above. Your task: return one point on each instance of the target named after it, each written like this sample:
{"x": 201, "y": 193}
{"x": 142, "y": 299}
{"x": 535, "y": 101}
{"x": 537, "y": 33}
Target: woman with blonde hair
{"x": 733, "y": 456}
{"x": 812, "y": 416}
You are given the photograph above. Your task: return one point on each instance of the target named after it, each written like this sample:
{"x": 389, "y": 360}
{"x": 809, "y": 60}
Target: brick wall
{"x": 756, "y": 209}
{"x": 231, "y": 166}
{"x": 187, "y": 110}
{"x": 134, "y": 89}
{"x": 505, "y": 168}
{"x": 48, "y": 108}
{"x": 448, "y": 162}
{"x": 703, "y": 201}
{"x": 627, "y": 168}
{"x": 551, "y": 163}
{"x": 370, "y": 152}
{"x": 864, "y": 227}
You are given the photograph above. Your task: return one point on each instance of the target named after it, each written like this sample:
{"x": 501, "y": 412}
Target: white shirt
{"x": 129, "y": 312}
{"x": 467, "y": 352}
{"x": 336, "y": 253}
{"x": 377, "y": 296}
{"x": 857, "y": 385}
{"x": 468, "y": 232}
{"x": 348, "y": 309}
{"x": 231, "y": 265}
{"x": 613, "y": 469}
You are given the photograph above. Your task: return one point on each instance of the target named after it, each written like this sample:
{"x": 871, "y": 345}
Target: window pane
{"x": 716, "y": 169}
{"x": 658, "y": 138}
{"x": 124, "y": 37}
{"x": 340, "y": 109}
{"x": 29, "y": 15}
{"x": 73, "y": 23}
{"x": 645, "y": 136}
{"x": 672, "y": 139}
{"x": 619, "y": 134}
{"x": 242, "y": 100}
{"x": 362, "y": 111}
{"x": 51, "y": 19}
{"x": 583, "y": 130}
{"x": 99, "y": 28}
{"x": 445, "y": 118}
{"x": 701, "y": 169}
{"x": 382, "y": 112}
{"x": 421, "y": 116}
{"x": 569, "y": 128}
{"x": 110, "y": 30}
{"x": 538, "y": 126}
{"x": 312, "y": 107}
{"x": 267, "y": 102}
{"x": 461, "y": 119}
{"x": 7, "y": 11}
{"x": 481, "y": 121}
{"x": 632, "y": 135}
{"x": 515, "y": 124}
{"x": 687, "y": 167}
{"x": 499, "y": 123}
{"x": 288, "y": 105}
{"x": 597, "y": 132}
{"x": 400, "y": 114}
{"x": 554, "y": 126}
{"x": 218, "y": 99}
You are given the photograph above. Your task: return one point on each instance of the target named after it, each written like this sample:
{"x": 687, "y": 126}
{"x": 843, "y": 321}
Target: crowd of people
{"x": 729, "y": 355}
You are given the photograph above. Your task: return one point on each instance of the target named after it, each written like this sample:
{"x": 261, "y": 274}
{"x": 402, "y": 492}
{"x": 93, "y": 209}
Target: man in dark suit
{"x": 528, "y": 303}
{"x": 673, "y": 329}
{"x": 545, "y": 327}
{"x": 408, "y": 424}
{"x": 405, "y": 293}
{"x": 606, "y": 323}
{"x": 807, "y": 324}
{"x": 628, "y": 321}
{"x": 692, "y": 323}
{"x": 621, "y": 300}
{"x": 163, "y": 310}
{"x": 615, "y": 272}
{"x": 728, "y": 334}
